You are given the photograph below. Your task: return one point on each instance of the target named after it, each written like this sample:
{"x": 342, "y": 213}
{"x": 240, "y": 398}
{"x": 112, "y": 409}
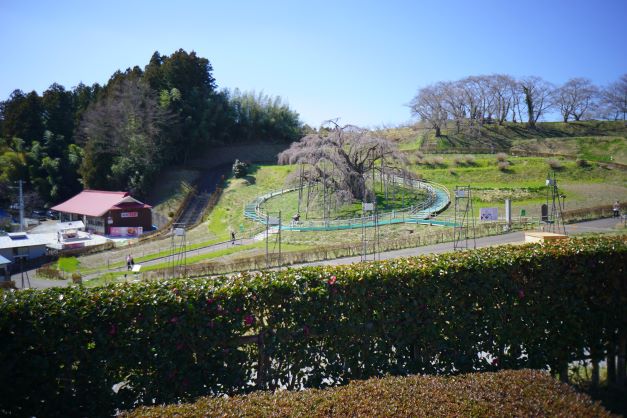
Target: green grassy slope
{"x": 594, "y": 140}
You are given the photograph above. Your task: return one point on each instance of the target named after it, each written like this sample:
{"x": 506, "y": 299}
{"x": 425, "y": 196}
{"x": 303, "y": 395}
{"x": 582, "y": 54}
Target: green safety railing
{"x": 438, "y": 199}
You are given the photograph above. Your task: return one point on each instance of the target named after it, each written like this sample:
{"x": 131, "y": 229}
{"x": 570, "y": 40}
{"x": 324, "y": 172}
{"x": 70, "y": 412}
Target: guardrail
{"x": 438, "y": 199}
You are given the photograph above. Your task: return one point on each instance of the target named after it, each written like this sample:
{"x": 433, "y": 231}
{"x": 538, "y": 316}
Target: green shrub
{"x": 532, "y": 306}
{"x": 240, "y": 169}
{"x": 581, "y": 162}
{"x": 512, "y": 393}
{"x": 555, "y": 164}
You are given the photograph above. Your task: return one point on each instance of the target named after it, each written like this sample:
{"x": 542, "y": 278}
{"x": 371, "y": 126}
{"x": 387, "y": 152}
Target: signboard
{"x": 129, "y": 214}
{"x": 367, "y": 206}
{"x": 73, "y": 245}
{"x": 125, "y": 231}
{"x": 489, "y": 214}
{"x": 461, "y": 193}
{"x": 109, "y": 220}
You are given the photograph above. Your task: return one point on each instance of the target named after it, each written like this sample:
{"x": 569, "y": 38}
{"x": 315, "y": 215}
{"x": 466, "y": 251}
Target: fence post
{"x": 261, "y": 362}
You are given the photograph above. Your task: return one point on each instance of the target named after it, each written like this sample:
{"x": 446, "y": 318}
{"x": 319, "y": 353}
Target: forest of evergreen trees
{"x": 120, "y": 135}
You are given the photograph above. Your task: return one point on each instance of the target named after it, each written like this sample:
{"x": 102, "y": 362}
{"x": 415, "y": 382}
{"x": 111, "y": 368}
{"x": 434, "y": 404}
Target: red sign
{"x": 129, "y": 214}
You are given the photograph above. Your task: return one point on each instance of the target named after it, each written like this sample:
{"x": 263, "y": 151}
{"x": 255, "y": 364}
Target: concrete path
{"x": 599, "y": 225}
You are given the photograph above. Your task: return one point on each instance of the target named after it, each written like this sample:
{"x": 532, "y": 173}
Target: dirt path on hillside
{"x": 208, "y": 182}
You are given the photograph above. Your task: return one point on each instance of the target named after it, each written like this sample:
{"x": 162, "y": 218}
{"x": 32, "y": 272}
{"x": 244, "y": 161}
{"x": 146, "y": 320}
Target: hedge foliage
{"x": 511, "y": 393}
{"x": 87, "y": 352}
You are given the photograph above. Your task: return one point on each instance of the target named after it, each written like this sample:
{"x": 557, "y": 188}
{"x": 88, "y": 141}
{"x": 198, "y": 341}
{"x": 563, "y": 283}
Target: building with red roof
{"x": 107, "y": 213}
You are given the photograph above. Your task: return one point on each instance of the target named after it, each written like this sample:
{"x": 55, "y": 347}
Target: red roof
{"x": 97, "y": 202}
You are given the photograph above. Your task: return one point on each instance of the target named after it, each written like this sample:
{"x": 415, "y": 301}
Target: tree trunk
{"x": 611, "y": 362}
{"x": 620, "y": 366}
{"x": 595, "y": 373}
{"x": 531, "y": 120}
{"x": 594, "y": 355}
{"x": 438, "y": 133}
{"x": 563, "y": 371}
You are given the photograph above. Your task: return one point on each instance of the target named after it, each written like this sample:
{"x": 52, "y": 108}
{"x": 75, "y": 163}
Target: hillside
{"x": 604, "y": 141}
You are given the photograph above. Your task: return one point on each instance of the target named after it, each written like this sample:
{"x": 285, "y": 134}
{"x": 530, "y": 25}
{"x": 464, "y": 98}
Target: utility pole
{"x": 21, "y": 203}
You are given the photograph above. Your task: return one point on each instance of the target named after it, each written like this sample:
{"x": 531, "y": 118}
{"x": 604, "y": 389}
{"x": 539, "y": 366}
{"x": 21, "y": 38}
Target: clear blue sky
{"x": 360, "y": 60}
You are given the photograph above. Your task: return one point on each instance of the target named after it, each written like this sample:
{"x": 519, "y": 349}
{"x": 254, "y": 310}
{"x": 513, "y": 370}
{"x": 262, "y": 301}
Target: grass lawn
{"x": 287, "y": 203}
{"x": 524, "y": 182}
{"x": 228, "y": 215}
{"x": 68, "y": 264}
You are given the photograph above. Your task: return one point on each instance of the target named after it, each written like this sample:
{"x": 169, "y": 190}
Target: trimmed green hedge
{"x": 511, "y": 393}
{"x": 63, "y": 351}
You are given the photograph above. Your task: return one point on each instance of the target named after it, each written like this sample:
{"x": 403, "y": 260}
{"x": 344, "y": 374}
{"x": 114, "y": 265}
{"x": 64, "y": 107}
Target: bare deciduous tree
{"x": 614, "y": 99}
{"x": 453, "y": 102}
{"x": 538, "y": 95}
{"x": 576, "y": 98}
{"x": 122, "y": 134}
{"x": 428, "y": 105}
{"x": 502, "y": 87}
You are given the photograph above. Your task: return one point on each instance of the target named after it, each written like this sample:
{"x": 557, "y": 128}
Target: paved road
{"x": 600, "y": 225}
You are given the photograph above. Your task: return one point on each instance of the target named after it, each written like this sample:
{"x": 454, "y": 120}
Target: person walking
{"x": 616, "y": 209}
{"x": 232, "y": 237}
{"x": 129, "y": 260}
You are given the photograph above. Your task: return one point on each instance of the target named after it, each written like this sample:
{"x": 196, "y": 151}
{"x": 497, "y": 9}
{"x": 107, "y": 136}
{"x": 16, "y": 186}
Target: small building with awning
{"x": 114, "y": 214}
{"x": 67, "y": 231}
{"x": 4, "y": 268}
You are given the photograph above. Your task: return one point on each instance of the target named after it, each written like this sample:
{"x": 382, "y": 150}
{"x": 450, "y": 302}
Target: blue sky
{"x": 361, "y": 61}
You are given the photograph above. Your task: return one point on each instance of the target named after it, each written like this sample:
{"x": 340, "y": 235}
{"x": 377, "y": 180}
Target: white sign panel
{"x": 368, "y": 206}
{"x": 489, "y": 214}
{"x": 129, "y": 214}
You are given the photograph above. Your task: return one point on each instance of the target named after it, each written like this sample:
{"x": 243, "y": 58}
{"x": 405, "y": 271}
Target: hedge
{"x": 511, "y": 393}
{"x": 89, "y": 352}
